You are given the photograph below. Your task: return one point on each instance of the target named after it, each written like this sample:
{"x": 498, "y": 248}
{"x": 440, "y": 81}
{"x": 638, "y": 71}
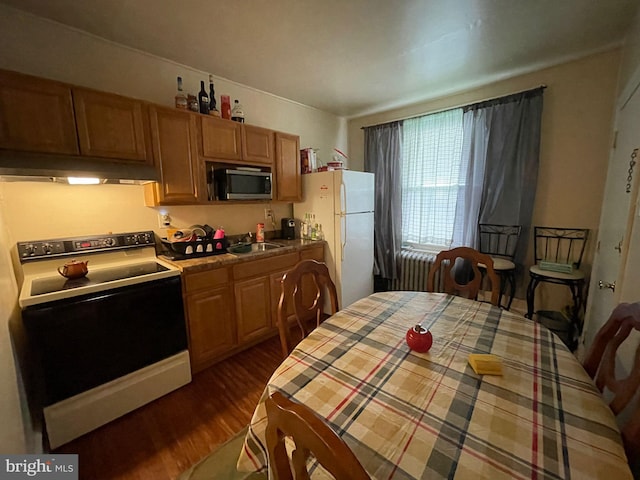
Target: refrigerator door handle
{"x": 343, "y": 220}
{"x": 343, "y": 198}
{"x": 343, "y": 232}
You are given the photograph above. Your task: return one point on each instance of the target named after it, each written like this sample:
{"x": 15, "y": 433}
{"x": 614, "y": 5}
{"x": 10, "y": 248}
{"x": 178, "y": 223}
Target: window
{"x": 431, "y": 161}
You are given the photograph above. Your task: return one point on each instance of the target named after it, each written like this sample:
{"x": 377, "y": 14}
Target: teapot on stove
{"x": 74, "y": 269}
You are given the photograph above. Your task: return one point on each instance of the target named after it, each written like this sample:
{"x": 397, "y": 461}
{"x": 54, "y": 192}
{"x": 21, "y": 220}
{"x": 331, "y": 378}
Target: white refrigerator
{"x": 342, "y": 202}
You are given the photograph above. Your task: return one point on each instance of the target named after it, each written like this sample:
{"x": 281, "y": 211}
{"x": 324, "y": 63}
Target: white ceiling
{"x": 353, "y": 57}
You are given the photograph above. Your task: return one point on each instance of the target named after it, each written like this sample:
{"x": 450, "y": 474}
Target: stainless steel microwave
{"x": 242, "y": 184}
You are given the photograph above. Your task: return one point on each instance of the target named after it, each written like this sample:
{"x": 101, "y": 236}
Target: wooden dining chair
{"x": 311, "y": 435}
{"x": 302, "y": 299}
{"x": 453, "y": 272}
{"x": 600, "y": 363}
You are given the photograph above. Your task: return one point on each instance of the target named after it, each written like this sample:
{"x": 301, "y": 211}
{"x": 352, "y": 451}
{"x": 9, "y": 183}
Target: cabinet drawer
{"x": 208, "y": 279}
{"x": 264, "y": 266}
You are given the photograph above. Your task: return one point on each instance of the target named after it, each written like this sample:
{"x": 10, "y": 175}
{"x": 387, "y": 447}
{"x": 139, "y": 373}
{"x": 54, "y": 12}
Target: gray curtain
{"x": 382, "y": 150}
{"x": 501, "y": 147}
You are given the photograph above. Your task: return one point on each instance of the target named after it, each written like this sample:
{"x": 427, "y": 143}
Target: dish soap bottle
{"x": 237, "y": 114}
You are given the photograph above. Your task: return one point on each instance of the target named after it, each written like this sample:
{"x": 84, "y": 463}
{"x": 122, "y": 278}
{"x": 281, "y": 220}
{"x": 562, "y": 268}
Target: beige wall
{"x": 14, "y": 436}
{"x": 576, "y": 138}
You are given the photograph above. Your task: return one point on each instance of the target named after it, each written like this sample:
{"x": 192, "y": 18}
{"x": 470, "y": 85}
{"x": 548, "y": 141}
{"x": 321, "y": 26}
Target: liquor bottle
{"x": 237, "y": 114}
{"x": 181, "y": 99}
{"x": 203, "y": 99}
{"x": 212, "y": 99}
{"x": 303, "y": 227}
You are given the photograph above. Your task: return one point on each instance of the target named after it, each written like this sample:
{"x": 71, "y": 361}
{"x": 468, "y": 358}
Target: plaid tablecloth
{"x": 428, "y": 415}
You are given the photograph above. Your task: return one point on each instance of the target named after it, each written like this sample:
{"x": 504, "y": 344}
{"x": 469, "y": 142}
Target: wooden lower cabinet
{"x": 253, "y": 308}
{"x": 231, "y": 308}
{"x": 210, "y": 316}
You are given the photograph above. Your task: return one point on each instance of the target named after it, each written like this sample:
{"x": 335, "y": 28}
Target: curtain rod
{"x": 542, "y": 86}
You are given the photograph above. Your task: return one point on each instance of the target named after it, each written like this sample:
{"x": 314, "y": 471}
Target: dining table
{"x": 411, "y": 415}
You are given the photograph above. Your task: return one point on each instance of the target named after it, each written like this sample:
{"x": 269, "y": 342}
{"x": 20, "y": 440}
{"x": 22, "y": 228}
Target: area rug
{"x": 221, "y": 463}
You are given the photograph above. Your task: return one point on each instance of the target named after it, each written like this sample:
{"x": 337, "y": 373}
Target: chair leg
{"x": 531, "y": 291}
{"x": 512, "y": 279}
{"x": 576, "y": 294}
{"x": 503, "y": 286}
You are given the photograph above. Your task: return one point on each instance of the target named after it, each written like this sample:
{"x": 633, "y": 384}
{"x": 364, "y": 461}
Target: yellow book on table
{"x": 485, "y": 363}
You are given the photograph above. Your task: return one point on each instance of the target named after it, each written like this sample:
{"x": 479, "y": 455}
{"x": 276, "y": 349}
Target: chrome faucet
{"x": 249, "y": 238}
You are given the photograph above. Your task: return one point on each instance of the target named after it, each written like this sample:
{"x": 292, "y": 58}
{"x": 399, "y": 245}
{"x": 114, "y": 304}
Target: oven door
{"x": 86, "y": 341}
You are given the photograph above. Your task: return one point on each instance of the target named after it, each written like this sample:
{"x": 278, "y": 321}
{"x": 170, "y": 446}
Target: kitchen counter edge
{"x": 213, "y": 261}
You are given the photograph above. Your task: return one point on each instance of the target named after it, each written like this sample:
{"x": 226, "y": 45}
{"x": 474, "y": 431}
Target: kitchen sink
{"x": 263, "y": 246}
{"x": 244, "y": 248}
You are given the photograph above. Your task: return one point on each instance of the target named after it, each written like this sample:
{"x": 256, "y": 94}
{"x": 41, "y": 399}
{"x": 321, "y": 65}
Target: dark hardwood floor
{"x": 162, "y": 439}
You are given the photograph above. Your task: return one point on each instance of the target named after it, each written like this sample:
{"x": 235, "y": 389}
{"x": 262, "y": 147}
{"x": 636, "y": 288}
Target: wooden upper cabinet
{"x": 288, "y": 182}
{"x": 174, "y": 138}
{"x": 36, "y": 115}
{"x": 111, "y": 126}
{"x": 257, "y": 144}
{"x": 221, "y": 139}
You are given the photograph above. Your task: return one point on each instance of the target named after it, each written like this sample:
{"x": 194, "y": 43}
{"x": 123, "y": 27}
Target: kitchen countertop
{"x": 212, "y": 261}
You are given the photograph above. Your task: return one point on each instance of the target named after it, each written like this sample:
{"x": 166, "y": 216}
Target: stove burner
{"x": 41, "y": 286}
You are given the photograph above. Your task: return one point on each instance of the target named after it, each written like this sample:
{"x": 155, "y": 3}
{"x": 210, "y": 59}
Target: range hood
{"x": 25, "y": 166}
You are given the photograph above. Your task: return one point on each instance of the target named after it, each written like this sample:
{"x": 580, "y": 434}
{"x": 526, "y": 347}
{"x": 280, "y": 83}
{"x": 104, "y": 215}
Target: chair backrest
{"x": 600, "y": 363}
{"x": 560, "y": 245}
{"x": 499, "y": 240}
{"x": 304, "y": 288}
{"x": 310, "y": 434}
{"x": 452, "y": 275}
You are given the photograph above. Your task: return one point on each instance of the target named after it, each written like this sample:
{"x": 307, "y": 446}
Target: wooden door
{"x": 615, "y": 259}
{"x": 288, "y": 182}
{"x": 257, "y": 145}
{"x": 221, "y": 139}
{"x": 36, "y": 115}
{"x": 253, "y": 313}
{"x": 173, "y": 134}
{"x": 111, "y": 126}
{"x": 211, "y": 326}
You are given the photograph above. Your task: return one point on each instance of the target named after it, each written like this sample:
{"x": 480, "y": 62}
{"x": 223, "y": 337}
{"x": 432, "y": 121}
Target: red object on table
{"x": 419, "y": 339}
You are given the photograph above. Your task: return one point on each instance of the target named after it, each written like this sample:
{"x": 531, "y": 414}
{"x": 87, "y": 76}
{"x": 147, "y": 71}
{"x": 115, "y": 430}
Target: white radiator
{"x": 413, "y": 270}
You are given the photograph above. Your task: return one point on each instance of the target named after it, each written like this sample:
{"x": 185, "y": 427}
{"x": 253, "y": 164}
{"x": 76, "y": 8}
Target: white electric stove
{"x": 107, "y": 342}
